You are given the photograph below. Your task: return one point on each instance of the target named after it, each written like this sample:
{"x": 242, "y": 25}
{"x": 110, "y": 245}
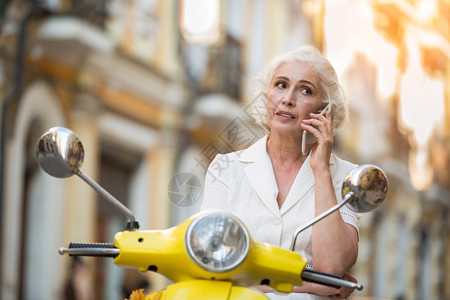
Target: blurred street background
{"x": 156, "y": 88}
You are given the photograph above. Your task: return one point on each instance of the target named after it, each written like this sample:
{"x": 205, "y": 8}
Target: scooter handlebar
{"x": 109, "y": 250}
{"x": 90, "y": 249}
{"x": 329, "y": 280}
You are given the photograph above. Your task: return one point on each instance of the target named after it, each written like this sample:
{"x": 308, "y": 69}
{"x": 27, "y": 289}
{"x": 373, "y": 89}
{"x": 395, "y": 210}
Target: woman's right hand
{"x": 321, "y": 127}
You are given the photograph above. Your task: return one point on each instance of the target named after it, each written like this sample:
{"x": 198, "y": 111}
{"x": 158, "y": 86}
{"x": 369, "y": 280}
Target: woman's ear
{"x": 326, "y": 108}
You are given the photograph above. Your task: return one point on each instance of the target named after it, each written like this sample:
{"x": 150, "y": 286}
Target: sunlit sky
{"x": 200, "y": 20}
{"x": 349, "y": 28}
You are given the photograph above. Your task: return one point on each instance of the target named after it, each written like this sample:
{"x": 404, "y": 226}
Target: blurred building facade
{"x": 152, "y": 103}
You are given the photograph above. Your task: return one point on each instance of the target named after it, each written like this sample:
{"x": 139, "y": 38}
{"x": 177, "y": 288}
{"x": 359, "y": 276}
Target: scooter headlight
{"x": 217, "y": 242}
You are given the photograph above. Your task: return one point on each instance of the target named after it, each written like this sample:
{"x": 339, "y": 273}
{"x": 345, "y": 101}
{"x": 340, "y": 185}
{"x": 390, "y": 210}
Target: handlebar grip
{"x": 91, "y": 249}
{"x": 327, "y": 279}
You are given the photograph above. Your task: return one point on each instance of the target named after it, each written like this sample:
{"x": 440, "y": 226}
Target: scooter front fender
{"x": 206, "y": 290}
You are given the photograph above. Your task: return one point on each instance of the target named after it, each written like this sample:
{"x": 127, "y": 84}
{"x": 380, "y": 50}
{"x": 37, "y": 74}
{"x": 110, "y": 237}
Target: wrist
{"x": 322, "y": 173}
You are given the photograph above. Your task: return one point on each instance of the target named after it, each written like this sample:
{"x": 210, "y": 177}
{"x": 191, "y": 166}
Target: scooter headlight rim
{"x": 217, "y": 242}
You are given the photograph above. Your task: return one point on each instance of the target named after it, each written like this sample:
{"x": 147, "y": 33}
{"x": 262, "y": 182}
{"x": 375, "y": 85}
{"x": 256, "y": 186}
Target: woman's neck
{"x": 285, "y": 149}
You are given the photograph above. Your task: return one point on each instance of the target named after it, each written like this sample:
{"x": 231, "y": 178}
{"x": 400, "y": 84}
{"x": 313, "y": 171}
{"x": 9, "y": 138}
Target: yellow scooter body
{"x": 164, "y": 252}
{"x": 206, "y": 290}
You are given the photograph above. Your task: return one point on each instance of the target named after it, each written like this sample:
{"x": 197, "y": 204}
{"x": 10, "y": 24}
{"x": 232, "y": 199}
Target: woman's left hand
{"x": 344, "y": 292}
{"x": 322, "y": 290}
{"x": 321, "y": 127}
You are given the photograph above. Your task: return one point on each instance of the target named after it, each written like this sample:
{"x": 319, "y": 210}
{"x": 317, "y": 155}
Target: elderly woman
{"x": 275, "y": 187}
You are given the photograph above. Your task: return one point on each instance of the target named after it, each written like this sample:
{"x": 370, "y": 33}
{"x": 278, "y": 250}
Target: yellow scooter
{"x": 211, "y": 255}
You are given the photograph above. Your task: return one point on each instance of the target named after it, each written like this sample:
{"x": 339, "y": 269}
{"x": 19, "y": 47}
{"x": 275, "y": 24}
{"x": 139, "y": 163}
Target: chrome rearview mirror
{"x": 364, "y": 189}
{"x": 60, "y": 153}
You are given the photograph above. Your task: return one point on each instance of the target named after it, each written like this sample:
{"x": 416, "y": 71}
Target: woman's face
{"x": 292, "y": 95}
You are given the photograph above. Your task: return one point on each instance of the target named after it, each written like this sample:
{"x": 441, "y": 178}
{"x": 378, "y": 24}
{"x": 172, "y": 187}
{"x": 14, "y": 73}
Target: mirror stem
{"x": 348, "y": 196}
{"x": 132, "y": 219}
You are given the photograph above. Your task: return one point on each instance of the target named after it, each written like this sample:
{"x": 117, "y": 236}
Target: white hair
{"x": 332, "y": 90}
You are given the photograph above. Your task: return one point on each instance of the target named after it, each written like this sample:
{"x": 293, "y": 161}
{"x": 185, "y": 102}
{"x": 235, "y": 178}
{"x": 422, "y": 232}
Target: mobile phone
{"x": 308, "y": 139}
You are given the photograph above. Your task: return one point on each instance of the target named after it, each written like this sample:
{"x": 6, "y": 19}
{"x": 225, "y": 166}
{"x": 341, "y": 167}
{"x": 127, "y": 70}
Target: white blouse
{"x": 244, "y": 184}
